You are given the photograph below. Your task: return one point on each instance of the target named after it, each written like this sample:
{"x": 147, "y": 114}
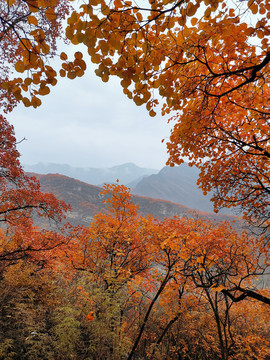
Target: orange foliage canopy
{"x": 115, "y": 247}
{"x": 20, "y": 199}
{"x": 207, "y": 61}
{"x": 120, "y": 245}
{"x": 29, "y": 31}
{"x": 172, "y": 266}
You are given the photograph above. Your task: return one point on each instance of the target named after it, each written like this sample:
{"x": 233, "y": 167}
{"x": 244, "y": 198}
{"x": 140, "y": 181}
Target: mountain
{"x": 177, "y": 184}
{"x": 86, "y": 201}
{"x": 126, "y": 173}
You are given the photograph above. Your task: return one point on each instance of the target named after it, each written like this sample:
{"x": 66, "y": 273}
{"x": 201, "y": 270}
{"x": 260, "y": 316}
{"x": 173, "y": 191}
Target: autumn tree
{"x": 38, "y": 316}
{"x": 139, "y": 278}
{"x": 226, "y": 262}
{"x": 20, "y": 194}
{"x": 49, "y": 313}
{"x": 194, "y": 334}
{"x": 129, "y": 287}
{"x": 29, "y": 34}
{"x": 124, "y": 271}
{"x": 201, "y": 265}
{"x": 21, "y": 200}
{"x": 107, "y": 257}
{"x": 119, "y": 238}
{"x": 222, "y": 263}
{"x": 207, "y": 64}
{"x": 29, "y": 31}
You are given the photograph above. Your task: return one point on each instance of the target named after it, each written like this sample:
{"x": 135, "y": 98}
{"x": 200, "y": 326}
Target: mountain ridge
{"x": 125, "y": 173}
{"x": 177, "y": 184}
{"x": 86, "y": 202}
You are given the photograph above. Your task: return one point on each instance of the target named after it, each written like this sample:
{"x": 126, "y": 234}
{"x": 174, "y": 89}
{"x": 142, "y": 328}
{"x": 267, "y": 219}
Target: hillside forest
{"x": 131, "y": 286}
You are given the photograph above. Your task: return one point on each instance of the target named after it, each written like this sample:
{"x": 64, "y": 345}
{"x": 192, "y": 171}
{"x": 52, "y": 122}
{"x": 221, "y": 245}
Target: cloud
{"x": 85, "y": 122}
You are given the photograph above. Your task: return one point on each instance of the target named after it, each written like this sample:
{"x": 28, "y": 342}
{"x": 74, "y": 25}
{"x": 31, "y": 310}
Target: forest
{"x": 129, "y": 286}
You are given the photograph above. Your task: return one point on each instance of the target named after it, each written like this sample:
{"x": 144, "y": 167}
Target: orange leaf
{"x": 19, "y": 66}
{"x": 90, "y": 316}
{"x": 50, "y": 14}
{"x": 32, "y": 20}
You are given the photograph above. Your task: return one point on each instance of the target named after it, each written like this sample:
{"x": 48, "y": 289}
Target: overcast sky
{"x": 88, "y": 123}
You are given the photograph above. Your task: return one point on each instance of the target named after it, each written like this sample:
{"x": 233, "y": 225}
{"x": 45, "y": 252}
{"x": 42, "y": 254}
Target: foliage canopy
{"x": 207, "y": 63}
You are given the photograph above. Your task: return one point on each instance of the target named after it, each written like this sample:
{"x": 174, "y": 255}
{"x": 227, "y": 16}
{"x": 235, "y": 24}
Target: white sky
{"x": 87, "y": 123}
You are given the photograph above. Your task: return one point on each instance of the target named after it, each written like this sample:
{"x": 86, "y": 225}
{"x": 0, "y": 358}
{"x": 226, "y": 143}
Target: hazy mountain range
{"x": 126, "y": 174}
{"x": 176, "y": 184}
{"x": 86, "y": 201}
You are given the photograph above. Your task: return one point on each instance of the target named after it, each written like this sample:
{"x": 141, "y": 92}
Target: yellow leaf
{"x": 25, "y": 43}
{"x": 139, "y": 16}
{"x": 253, "y": 7}
{"x": 194, "y": 21}
{"x": 5, "y": 85}
{"x": 94, "y": 2}
{"x": 63, "y": 56}
{"x": 95, "y": 58}
{"x": 260, "y": 34}
{"x": 171, "y": 22}
{"x": 105, "y": 78}
{"x": 19, "y": 66}
{"x": 191, "y": 9}
{"x": 207, "y": 12}
{"x": 35, "y": 102}
{"x": 45, "y": 48}
{"x": 69, "y": 32}
{"x": 99, "y": 72}
{"x": 118, "y": 4}
{"x": 105, "y": 10}
{"x": 33, "y": 6}
{"x": 104, "y": 47}
{"x": 50, "y": 14}
{"x": 62, "y": 73}
{"x": 81, "y": 63}
{"x": 74, "y": 40}
{"x": 80, "y": 37}
{"x": 26, "y": 102}
{"x": 200, "y": 259}
{"x": 138, "y": 101}
{"x": 78, "y": 55}
{"x": 53, "y": 82}
{"x": 28, "y": 81}
{"x": 44, "y": 91}
{"x": 73, "y": 18}
{"x": 79, "y": 72}
{"x": 249, "y": 31}
{"x": 17, "y": 93}
{"x": 36, "y": 78}
{"x": 32, "y": 20}
{"x": 71, "y": 75}
{"x": 125, "y": 82}
{"x": 24, "y": 87}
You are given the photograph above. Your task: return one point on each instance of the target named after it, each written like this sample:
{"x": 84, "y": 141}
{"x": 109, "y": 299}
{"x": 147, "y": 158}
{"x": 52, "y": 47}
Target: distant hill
{"x": 177, "y": 184}
{"x": 126, "y": 173}
{"x": 86, "y": 201}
